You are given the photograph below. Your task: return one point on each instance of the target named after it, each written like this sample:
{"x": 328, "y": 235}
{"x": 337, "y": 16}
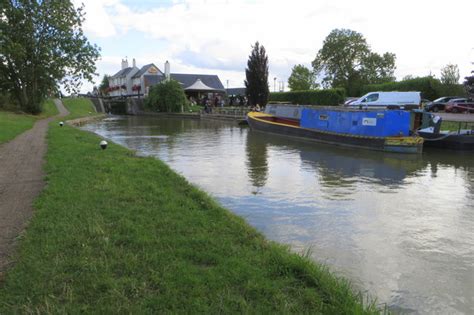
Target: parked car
{"x": 350, "y": 100}
{"x": 460, "y": 105}
{"x": 439, "y": 103}
{"x": 388, "y": 100}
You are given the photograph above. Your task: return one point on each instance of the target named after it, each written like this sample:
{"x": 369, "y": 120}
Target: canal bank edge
{"x": 113, "y": 231}
{"x": 77, "y": 122}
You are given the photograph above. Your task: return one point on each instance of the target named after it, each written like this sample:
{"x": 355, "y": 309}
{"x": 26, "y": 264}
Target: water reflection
{"x": 257, "y": 165}
{"x": 400, "y": 226}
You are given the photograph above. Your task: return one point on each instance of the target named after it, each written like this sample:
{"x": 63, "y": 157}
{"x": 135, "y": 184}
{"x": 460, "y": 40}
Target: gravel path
{"x": 21, "y": 180}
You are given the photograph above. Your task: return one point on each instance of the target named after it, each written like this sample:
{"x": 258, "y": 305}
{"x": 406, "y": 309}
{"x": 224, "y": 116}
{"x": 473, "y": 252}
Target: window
{"x": 372, "y": 97}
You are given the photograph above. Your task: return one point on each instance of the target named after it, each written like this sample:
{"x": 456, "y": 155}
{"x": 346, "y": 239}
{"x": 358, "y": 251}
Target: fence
{"x": 234, "y": 113}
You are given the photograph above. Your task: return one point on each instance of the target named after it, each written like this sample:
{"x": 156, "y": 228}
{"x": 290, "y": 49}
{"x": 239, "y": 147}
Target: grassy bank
{"x": 115, "y": 233}
{"x": 79, "y": 107}
{"x": 13, "y": 124}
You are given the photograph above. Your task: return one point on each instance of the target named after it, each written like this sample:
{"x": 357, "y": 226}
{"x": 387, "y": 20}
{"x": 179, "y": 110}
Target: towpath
{"x": 21, "y": 180}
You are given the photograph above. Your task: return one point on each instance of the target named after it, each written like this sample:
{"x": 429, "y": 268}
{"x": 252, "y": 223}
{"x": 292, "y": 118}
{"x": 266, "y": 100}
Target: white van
{"x": 402, "y": 100}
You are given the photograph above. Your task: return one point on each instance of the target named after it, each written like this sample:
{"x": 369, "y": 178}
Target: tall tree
{"x": 301, "y": 79}
{"x": 450, "y": 74}
{"x": 104, "y": 85}
{"x": 42, "y": 45}
{"x": 345, "y": 60}
{"x": 256, "y": 74}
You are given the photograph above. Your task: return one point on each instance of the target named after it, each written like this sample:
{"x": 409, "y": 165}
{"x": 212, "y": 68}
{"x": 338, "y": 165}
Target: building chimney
{"x": 126, "y": 62}
{"x": 134, "y": 63}
{"x": 123, "y": 64}
{"x": 167, "y": 70}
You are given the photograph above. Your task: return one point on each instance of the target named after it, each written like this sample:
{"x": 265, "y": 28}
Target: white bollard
{"x": 103, "y": 144}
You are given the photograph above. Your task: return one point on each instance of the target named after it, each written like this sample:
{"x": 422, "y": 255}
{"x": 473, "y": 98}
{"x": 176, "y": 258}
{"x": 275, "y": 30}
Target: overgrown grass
{"x": 115, "y": 233}
{"x": 79, "y": 107}
{"x": 13, "y": 124}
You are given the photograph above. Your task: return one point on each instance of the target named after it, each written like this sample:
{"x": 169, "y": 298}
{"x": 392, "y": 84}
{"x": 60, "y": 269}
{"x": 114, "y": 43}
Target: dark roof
{"x": 187, "y": 80}
{"x": 123, "y": 72}
{"x": 144, "y": 69}
{"x": 236, "y": 91}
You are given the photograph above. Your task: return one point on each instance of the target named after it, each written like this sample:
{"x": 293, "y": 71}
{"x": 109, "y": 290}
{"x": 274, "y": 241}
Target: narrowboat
{"x": 382, "y": 130}
{"x": 461, "y": 140}
{"x": 428, "y": 127}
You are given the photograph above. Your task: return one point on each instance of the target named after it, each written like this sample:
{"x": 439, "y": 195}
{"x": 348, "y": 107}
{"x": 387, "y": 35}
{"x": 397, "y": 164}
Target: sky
{"x": 216, "y": 37}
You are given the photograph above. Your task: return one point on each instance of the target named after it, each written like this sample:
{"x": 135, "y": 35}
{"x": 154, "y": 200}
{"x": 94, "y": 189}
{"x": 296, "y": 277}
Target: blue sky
{"x": 215, "y": 36}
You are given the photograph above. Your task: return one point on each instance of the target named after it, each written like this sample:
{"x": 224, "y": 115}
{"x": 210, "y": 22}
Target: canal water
{"x": 400, "y": 227}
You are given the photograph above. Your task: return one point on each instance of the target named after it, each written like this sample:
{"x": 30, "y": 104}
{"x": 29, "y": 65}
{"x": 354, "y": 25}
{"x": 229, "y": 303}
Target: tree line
{"x": 345, "y": 60}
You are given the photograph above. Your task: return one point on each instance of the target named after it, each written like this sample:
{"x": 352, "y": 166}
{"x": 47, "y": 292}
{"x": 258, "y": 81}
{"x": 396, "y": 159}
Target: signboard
{"x": 369, "y": 121}
{"x": 152, "y": 70}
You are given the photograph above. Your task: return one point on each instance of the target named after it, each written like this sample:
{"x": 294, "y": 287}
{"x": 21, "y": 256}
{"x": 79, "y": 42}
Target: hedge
{"x": 429, "y": 87}
{"x": 310, "y": 97}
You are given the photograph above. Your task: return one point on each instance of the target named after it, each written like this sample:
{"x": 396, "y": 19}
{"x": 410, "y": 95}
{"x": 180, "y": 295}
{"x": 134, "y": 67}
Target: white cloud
{"x": 215, "y": 36}
{"x": 98, "y": 21}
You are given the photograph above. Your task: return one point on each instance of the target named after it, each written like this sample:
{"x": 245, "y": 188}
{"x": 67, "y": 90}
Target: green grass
{"x": 79, "y": 107}
{"x": 13, "y": 124}
{"x": 49, "y": 109}
{"x": 454, "y": 126}
{"x": 117, "y": 234}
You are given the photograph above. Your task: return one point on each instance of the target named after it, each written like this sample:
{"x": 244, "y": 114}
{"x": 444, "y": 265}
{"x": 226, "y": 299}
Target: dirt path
{"x": 21, "y": 180}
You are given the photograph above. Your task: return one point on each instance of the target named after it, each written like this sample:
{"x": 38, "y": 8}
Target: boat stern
{"x": 404, "y": 144}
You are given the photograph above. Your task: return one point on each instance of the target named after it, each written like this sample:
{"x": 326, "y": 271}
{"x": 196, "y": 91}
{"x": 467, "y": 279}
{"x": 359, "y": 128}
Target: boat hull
{"x": 451, "y": 142}
{"x": 388, "y": 144}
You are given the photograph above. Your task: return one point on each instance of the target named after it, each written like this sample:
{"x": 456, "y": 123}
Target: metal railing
{"x": 228, "y": 112}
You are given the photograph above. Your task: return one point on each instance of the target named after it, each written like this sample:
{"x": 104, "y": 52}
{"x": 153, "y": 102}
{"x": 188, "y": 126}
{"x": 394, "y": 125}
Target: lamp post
{"x": 274, "y": 84}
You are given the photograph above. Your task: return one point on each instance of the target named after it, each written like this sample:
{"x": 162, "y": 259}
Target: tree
{"x": 167, "y": 96}
{"x": 41, "y": 46}
{"x": 104, "y": 85}
{"x": 301, "y": 79}
{"x": 345, "y": 60}
{"x": 256, "y": 74}
{"x": 450, "y": 74}
{"x": 469, "y": 84}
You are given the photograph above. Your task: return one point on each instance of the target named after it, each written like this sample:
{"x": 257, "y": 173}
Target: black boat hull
{"x": 392, "y": 144}
{"x": 451, "y": 142}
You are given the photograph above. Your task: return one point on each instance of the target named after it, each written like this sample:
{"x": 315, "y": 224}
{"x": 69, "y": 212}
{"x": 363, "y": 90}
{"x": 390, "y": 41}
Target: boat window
{"x": 372, "y": 97}
{"x": 323, "y": 117}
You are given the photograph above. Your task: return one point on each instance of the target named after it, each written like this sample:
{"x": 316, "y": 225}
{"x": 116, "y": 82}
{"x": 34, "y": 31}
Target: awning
{"x": 198, "y": 86}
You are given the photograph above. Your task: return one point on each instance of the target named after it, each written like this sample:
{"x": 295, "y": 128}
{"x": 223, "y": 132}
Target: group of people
{"x": 238, "y": 100}
{"x": 218, "y": 101}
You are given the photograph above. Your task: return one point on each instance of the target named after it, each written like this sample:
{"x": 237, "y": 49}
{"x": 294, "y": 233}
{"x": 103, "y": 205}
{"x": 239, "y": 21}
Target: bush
{"x": 429, "y": 87}
{"x": 311, "y": 97}
{"x": 167, "y": 96}
{"x": 7, "y": 102}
